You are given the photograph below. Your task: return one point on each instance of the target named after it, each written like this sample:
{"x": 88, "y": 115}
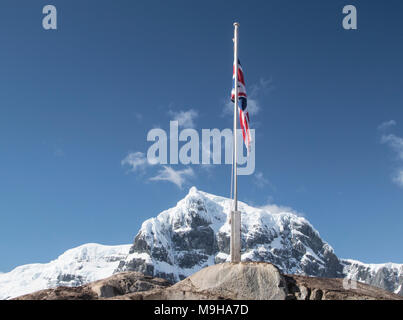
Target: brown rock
{"x": 332, "y": 289}
{"x": 114, "y": 286}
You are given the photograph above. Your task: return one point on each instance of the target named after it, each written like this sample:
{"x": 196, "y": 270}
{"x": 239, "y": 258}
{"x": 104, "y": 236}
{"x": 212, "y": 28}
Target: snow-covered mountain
{"x": 75, "y": 267}
{"x": 388, "y": 276}
{"x": 195, "y": 234}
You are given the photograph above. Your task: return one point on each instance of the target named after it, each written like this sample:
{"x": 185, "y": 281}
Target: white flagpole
{"x": 235, "y": 246}
{"x": 236, "y": 25}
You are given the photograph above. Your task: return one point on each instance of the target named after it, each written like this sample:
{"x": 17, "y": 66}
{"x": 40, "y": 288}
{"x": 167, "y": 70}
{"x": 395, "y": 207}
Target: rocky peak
{"x": 195, "y": 233}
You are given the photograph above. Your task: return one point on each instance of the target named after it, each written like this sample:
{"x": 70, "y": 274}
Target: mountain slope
{"x": 75, "y": 267}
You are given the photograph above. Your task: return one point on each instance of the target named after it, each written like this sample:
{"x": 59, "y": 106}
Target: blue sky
{"x": 75, "y": 101}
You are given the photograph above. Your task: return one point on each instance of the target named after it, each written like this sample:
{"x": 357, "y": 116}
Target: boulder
{"x": 238, "y": 281}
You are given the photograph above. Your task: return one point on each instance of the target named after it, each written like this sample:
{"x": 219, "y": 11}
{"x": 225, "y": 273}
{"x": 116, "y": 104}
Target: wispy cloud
{"x": 395, "y": 143}
{"x": 260, "y": 180}
{"x": 136, "y": 161}
{"x": 253, "y": 106}
{"x": 263, "y": 86}
{"x": 398, "y": 177}
{"x": 185, "y": 119}
{"x": 177, "y": 177}
{"x": 386, "y": 125}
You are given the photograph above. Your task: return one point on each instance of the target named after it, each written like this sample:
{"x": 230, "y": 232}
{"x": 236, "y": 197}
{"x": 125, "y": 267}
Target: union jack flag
{"x": 242, "y": 104}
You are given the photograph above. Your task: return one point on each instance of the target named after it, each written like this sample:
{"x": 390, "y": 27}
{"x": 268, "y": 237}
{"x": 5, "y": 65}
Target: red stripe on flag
{"x": 240, "y": 76}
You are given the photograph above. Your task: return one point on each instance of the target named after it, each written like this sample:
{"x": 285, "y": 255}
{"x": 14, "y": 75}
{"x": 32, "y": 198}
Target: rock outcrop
{"x": 114, "y": 286}
{"x": 241, "y": 281}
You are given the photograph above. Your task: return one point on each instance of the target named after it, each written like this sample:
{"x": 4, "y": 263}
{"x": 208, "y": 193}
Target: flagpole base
{"x": 235, "y": 240}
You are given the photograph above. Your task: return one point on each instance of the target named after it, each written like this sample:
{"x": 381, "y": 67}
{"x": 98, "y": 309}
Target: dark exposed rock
{"x": 139, "y": 265}
{"x": 139, "y": 245}
{"x": 200, "y": 238}
{"x": 189, "y": 259}
{"x": 77, "y": 280}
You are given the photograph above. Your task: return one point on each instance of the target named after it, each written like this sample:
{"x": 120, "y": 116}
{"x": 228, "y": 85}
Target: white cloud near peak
{"x": 275, "y": 209}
